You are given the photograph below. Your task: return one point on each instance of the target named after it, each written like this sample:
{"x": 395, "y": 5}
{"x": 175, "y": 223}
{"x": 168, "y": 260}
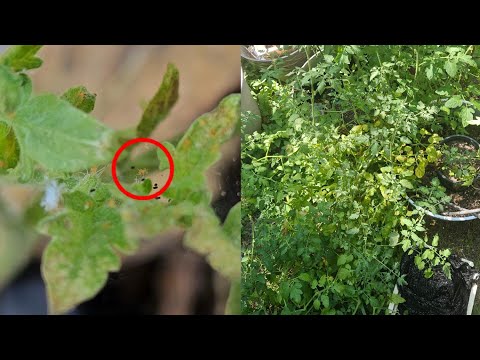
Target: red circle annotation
{"x": 114, "y": 169}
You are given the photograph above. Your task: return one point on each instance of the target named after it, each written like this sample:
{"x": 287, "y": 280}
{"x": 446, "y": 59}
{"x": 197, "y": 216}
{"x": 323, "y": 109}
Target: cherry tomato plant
{"x": 53, "y": 145}
{"x": 324, "y": 184}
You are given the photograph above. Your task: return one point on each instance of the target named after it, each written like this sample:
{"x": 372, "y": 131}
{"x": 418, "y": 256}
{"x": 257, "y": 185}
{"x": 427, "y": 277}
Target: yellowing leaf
{"x": 82, "y": 251}
{"x": 406, "y": 184}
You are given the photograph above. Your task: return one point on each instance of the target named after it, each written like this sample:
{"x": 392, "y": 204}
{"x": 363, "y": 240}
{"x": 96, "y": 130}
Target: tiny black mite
{"x": 92, "y": 190}
{"x": 133, "y": 167}
{"x": 158, "y": 197}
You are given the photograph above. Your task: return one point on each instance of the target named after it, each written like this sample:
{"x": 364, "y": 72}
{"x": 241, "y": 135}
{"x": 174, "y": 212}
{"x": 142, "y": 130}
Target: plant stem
{"x": 311, "y": 87}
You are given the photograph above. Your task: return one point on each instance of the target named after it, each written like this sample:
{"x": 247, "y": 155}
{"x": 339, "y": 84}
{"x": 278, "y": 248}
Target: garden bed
{"x": 342, "y": 145}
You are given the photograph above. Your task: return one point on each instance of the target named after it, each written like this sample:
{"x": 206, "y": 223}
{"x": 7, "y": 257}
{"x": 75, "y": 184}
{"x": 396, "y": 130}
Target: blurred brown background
{"x": 162, "y": 278}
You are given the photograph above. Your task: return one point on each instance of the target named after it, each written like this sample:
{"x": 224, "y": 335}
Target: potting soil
{"x": 437, "y": 295}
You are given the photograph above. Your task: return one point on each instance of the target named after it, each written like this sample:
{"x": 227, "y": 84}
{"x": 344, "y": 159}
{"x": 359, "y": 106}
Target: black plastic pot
{"x": 447, "y": 182}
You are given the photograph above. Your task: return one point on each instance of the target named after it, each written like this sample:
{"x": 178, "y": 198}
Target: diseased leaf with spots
{"x": 85, "y": 239}
{"x": 9, "y": 149}
{"x": 200, "y": 148}
{"x": 207, "y": 238}
{"x": 48, "y": 140}
{"x": 161, "y": 104}
{"x": 81, "y": 98}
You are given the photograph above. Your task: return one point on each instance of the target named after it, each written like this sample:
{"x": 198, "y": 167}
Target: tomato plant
{"x": 53, "y": 145}
{"x": 324, "y": 184}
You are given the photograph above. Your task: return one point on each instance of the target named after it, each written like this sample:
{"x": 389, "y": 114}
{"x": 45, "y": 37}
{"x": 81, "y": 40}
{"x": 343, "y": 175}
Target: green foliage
{"x": 324, "y": 187}
{"x": 21, "y": 57}
{"x": 52, "y": 144}
{"x": 432, "y": 197}
{"x": 460, "y": 164}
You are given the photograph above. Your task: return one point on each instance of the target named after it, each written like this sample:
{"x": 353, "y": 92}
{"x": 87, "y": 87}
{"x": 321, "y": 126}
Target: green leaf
{"x": 21, "y": 57}
{"x": 435, "y": 240}
{"x": 454, "y": 102}
{"x": 447, "y": 270}
{"x": 451, "y": 68}
{"x": 445, "y": 109}
{"x": 393, "y": 238}
{"x": 233, "y": 302}
{"x": 429, "y": 72}
{"x": 466, "y": 115}
{"x": 343, "y": 273}
{"x": 233, "y": 224}
{"x": 406, "y": 184}
{"x": 81, "y": 98}
{"x": 60, "y": 137}
{"x": 406, "y": 221}
{"x": 325, "y": 300}
{"x": 206, "y": 237}
{"x": 420, "y": 170}
{"x": 397, "y": 299}
{"x": 296, "y": 293}
{"x": 160, "y": 105}
{"x": 467, "y": 59}
{"x": 76, "y": 262}
{"x": 316, "y": 304}
{"x": 353, "y": 231}
{"x": 15, "y": 89}
{"x": 9, "y": 149}
{"x": 374, "y": 74}
{"x": 143, "y": 188}
{"x": 162, "y": 157}
{"x": 342, "y": 259}
{"x": 305, "y": 277}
